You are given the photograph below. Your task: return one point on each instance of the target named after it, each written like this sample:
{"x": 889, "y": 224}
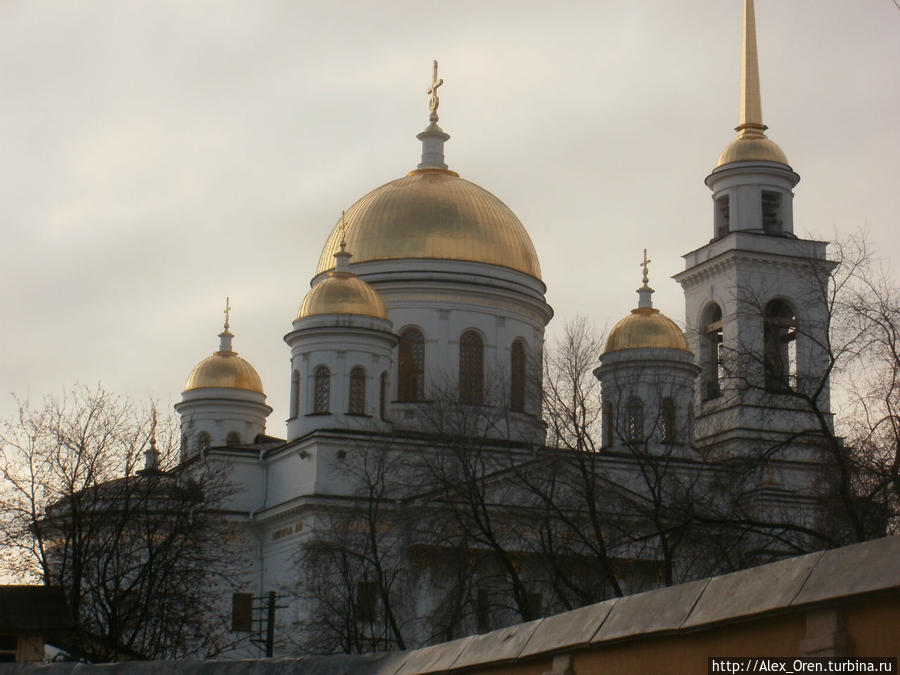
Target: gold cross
{"x": 435, "y": 83}
{"x": 343, "y": 231}
{"x": 227, "y": 312}
{"x": 646, "y": 261}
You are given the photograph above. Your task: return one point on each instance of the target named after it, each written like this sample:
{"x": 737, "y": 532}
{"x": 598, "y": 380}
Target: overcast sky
{"x": 157, "y": 156}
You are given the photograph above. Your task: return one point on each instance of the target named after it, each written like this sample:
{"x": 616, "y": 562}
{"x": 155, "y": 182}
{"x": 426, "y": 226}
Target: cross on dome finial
{"x": 646, "y": 261}
{"x": 434, "y": 101}
{"x": 226, "y": 335}
{"x": 342, "y": 255}
{"x": 433, "y": 138}
{"x": 151, "y": 454}
{"x": 644, "y": 292}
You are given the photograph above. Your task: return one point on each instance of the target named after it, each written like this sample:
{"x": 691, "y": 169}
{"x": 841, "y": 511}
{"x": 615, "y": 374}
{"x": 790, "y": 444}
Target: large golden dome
{"x": 433, "y": 213}
{"x": 226, "y": 370}
{"x": 343, "y": 293}
{"x": 646, "y": 327}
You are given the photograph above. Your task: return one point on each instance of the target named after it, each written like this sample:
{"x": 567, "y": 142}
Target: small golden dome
{"x": 644, "y": 328}
{"x": 343, "y": 293}
{"x": 752, "y": 148}
{"x": 224, "y": 369}
{"x": 433, "y": 213}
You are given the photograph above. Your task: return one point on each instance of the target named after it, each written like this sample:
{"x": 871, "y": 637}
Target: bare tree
{"x": 90, "y": 503}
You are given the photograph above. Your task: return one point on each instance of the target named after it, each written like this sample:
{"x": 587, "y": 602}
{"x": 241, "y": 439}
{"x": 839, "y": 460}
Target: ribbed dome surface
{"x": 227, "y": 370}
{"x": 343, "y": 293}
{"x": 646, "y": 328}
{"x": 433, "y": 213}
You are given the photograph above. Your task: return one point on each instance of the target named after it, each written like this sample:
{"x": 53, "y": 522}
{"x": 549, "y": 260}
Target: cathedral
{"x": 417, "y": 354}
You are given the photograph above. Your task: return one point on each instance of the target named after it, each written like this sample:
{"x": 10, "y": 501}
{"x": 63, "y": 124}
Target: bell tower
{"x": 756, "y": 294}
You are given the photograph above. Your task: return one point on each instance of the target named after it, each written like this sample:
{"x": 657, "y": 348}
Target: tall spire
{"x": 751, "y": 143}
{"x": 226, "y": 335}
{"x": 751, "y": 103}
{"x": 433, "y": 138}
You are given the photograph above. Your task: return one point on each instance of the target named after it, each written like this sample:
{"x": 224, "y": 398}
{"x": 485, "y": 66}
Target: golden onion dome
{"x": 644, "y": 328}
{"x": 343, "y": 293}
{"x": 752, "y": 147}
{"x": 224, "y": 369}
{"x": 433, "y": 213}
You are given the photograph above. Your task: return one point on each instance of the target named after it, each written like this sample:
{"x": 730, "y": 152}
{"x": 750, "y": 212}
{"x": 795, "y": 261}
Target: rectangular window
{"x": 723, "y": 218}
{"x": 366, "y": 600}
{"x": 771, "y": 212}
{"x": 242, "y": 612}
{"x": 482, "y": 611}
{"x": 8, "y": 644}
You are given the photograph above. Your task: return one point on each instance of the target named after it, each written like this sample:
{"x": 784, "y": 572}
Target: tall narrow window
{"x": 635, "y": 420}
{"x": 780, "y": 353}
{"x": 411, "y": 366}
{"x": 295, "y": 394}
{"x": 771, "y": 212}
{"x": 323, "y": 390}
{"x": 711, "y": 346}
{"x": 203, "y": 440}
{"x": 382, "y": 396}
{"x": 667, "y": 420}
{"x": 723, "y": 218}
{"x": 517, "y": 376}
{"x": 471, "y": 368}
{"x": 233, "y": 439}
{"x": 609, "y": 424}
{"x": 482, "y": 611}
{"x": 357, "y": 404}
{"x": 366, "y": 601}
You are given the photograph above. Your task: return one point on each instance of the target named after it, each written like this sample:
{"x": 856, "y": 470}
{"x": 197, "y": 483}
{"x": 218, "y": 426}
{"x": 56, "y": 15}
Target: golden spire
{"x": 227, "y": 311}
{"x": 751, "y": 143}
{"x": 343, "y": 231}
{"x": 751, "y": 103}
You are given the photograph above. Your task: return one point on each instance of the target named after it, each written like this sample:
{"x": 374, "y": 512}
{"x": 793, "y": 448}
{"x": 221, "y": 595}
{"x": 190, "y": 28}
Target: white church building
{"x": 427, "y": 296}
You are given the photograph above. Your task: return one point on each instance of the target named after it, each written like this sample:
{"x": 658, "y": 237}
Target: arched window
{"x": 635, "y": 421}
{"x": 780, "y": 357}
{"x": 295, "y": 394}
{"x": 411, "y": 366}
{"x": 517, "y": 376}
{"x": 203, "y": 441}
{"x": 357, "y": 404}
{"x": 609, "y": 425}
{"x": 233, "y": 439}
{"x": 471, "y": 368}
{"x": 323, "y": 390}
{"x": 711, "y": 345}
{"x": 667, "y": 420}
{"x": 382, "y": 396}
